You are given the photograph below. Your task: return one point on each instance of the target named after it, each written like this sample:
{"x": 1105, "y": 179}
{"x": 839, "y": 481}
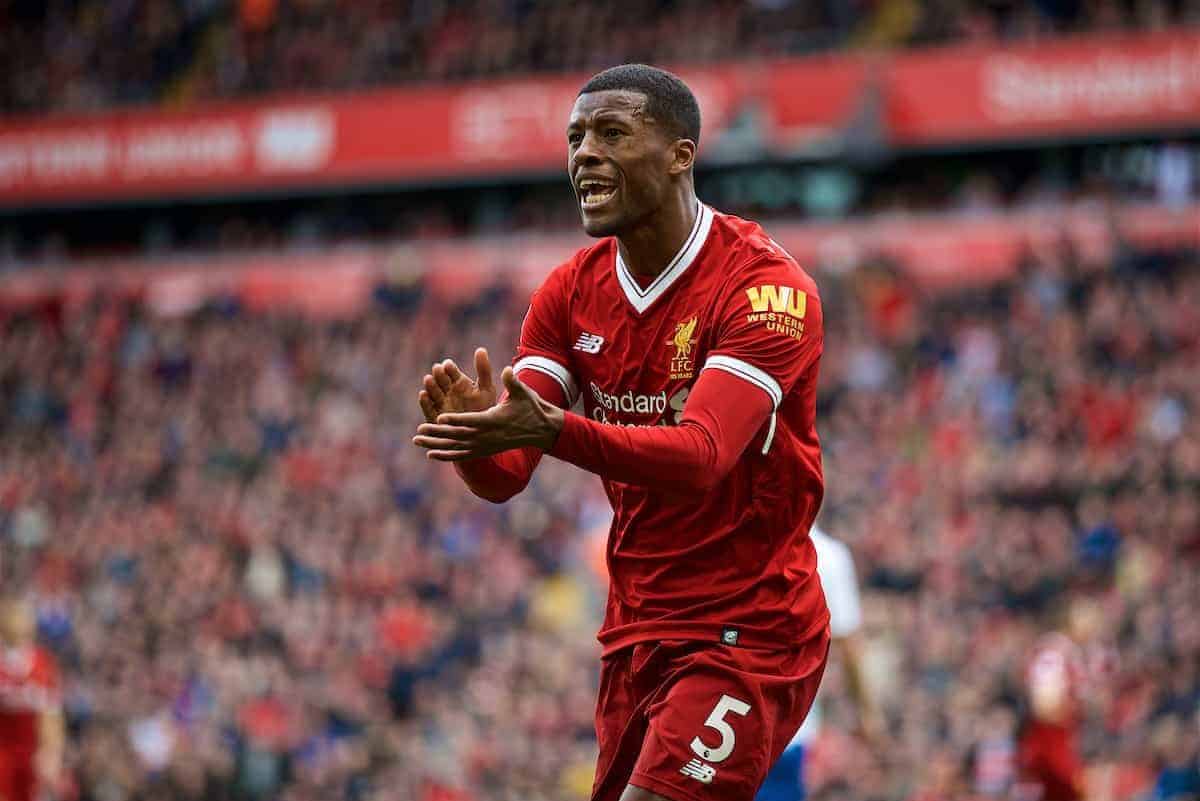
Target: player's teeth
{"x": 593, "y": 193}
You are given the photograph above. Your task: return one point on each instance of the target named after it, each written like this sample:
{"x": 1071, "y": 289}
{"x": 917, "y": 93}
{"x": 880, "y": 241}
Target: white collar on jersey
{"x": 641, "y": 299}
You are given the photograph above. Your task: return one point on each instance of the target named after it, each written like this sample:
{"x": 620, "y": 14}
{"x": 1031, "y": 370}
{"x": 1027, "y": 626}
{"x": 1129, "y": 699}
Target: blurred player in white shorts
{"x": 835, "y": 566}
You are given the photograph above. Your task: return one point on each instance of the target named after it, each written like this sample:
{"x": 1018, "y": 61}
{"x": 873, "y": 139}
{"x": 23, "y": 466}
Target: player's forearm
{"x": 693, "y": 457}
{"x": 51, "y": 738}
{"x": 681, "y": 459}
{"x": 500, "y": 477}
{"x": 870, "y": 716}
{"x": 856, "y": 680}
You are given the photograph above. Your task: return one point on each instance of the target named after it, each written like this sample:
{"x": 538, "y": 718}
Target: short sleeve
{"x": 770, "y": 332}
{"x": 544, "y": 347}
{"x": 835, "y": 565}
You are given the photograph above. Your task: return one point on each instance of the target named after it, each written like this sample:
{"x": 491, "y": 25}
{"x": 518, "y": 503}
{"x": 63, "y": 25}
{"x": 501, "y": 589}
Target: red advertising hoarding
{"x": 1087, "y": 85}
{"x": 493, "y": 128}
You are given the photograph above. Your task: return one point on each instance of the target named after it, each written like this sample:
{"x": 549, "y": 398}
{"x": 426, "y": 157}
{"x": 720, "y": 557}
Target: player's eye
{"x": 613, "y": 133}
{"x": 574, "y": 138}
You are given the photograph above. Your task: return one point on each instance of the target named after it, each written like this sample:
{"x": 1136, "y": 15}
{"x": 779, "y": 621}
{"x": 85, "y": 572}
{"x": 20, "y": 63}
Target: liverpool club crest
{"x": 682, "y": 365}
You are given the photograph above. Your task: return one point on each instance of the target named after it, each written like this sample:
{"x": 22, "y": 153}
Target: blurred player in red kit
{"x": 694, "y": 342}
{"x": 1061, "y": 671}
{"x": 31, "y": 722}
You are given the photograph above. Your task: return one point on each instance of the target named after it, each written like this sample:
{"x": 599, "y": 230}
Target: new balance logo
{"x": 700, "y": 771}
{"x": 589, "y": 343}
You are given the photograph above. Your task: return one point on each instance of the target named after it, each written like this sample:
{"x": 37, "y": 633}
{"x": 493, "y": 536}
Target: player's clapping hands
{"x": 448, "y": 389}
{"x": 464, "y": 421}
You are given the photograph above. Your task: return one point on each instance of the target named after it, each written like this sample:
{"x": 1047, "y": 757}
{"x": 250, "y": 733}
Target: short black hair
{"x": 669, "y": 100}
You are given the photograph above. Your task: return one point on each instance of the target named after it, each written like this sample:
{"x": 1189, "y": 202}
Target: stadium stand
{"x": 88, "y": 54}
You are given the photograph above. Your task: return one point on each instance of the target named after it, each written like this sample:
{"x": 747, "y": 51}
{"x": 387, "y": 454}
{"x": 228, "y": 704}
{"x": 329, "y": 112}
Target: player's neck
{"x": 650, "y": 247}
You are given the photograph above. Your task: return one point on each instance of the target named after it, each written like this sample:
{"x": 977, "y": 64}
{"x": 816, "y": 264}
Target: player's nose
{"x": 586, "y": 155}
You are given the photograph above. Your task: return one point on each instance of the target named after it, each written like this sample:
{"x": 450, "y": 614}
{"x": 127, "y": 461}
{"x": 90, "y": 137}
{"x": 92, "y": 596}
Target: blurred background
{"x": 233, "y": 236}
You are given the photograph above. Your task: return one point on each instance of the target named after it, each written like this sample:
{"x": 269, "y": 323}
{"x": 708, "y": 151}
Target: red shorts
{"x": 18, "y": 781}
{"x": 699, "y": 721}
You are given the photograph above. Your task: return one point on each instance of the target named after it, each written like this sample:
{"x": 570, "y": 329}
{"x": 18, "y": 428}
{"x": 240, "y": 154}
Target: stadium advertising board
{"x": 493, "y": 128}
{"x": 502, "y": 128}
{"x": 1087, "y": 85}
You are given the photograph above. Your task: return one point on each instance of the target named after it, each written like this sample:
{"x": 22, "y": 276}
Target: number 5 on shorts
{"x": 716, "y": 720}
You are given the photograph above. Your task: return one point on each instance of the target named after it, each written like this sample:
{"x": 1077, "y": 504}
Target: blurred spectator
{"x": 1179, "y": 775}
{"x": 1174, "y": 175}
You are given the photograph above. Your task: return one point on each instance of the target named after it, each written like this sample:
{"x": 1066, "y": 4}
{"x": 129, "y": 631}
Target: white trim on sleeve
{"x": 752, "y": 375}
{"x": 748, "y": 372}
{"x": 553, "y": 369}
{"x": 770, "y": 433}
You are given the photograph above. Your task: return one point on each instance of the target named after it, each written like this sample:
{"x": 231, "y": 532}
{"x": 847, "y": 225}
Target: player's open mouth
{"x": 594, "y": 193}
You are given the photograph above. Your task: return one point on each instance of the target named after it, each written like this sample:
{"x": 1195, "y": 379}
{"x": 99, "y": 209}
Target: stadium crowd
{"x": 78, "y": 55}
{"x": 258, "y": 589}
{"x": 1170, "y": 177}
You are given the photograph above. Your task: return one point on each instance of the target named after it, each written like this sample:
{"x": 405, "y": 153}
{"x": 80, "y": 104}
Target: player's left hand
{"x": 521, "y": 420}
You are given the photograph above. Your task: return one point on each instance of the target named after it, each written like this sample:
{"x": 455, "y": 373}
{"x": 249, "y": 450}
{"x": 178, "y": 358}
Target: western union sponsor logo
{"x": 779, "y": 299}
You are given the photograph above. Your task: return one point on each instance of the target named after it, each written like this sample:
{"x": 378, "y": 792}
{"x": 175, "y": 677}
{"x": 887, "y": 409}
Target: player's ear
{"x": 683, "y": 155}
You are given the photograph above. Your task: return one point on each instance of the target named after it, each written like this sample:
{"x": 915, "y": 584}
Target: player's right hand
{"x": 449, "y": 389}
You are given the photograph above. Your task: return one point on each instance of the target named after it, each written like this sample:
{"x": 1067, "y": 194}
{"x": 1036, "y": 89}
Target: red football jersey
{"x": 28, "y": 687}
{"x": 734, "y": 565}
